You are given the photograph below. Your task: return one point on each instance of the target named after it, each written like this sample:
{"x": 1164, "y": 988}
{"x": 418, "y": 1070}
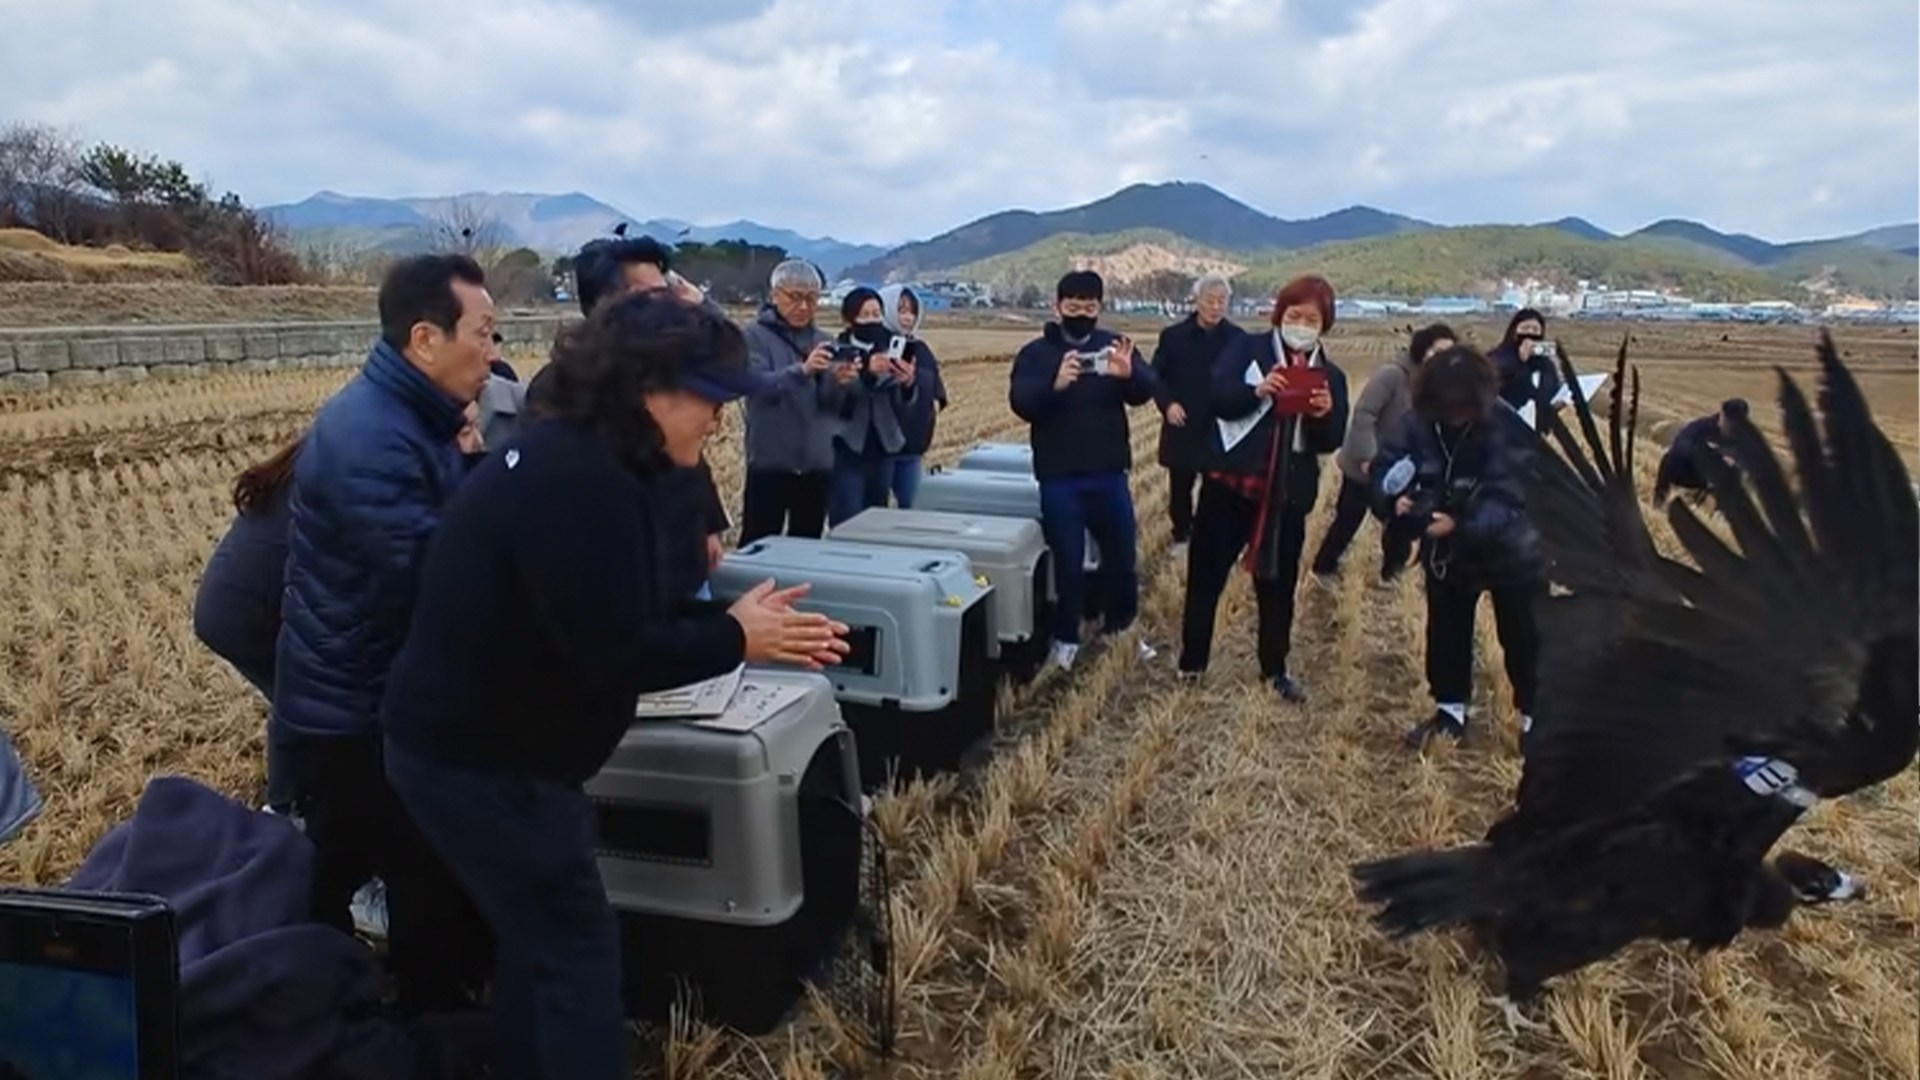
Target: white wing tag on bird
{"x": 1774, "y": 778}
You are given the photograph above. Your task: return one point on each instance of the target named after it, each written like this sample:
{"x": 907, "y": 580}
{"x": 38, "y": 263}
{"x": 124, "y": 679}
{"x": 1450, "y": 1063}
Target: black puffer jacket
{"x": 1474, "y": 474}
{"x": 1534, "y": 379}
{"x": 1183, "y": 362}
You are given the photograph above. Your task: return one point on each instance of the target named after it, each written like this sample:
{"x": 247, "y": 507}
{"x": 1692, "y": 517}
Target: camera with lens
{"x": 1428, "y": 493}
{"x": 1093, "y": 363}
{"x": 849, "y": 352}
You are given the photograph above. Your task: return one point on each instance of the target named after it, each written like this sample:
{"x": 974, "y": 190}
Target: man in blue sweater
{"x": 1074, "y": 384}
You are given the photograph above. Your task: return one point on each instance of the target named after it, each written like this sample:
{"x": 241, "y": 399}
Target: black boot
{"x": 1441, "y": 722}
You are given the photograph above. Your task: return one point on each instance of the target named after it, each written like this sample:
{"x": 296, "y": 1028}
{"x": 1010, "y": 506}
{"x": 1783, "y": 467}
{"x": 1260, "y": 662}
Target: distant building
{"x": 1451, "y": 305}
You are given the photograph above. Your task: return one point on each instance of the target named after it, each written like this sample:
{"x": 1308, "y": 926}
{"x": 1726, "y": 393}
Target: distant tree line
{"x": 1158, "y": 287}
{"x": 731, "y": 271}
{"x": 53, "y": 183}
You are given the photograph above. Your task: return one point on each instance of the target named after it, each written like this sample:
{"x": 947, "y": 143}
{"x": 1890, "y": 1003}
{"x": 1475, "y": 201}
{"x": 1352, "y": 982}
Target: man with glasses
{"x": 1074, "y": 384}
{"x": 790, "y": 424}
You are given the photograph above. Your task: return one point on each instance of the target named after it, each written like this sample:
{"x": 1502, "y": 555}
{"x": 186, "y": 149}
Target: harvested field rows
{"x": 1147, "y": 880}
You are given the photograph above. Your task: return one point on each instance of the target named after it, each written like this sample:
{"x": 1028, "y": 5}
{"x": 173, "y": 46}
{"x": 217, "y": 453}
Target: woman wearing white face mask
{"x": 1279, "y": 405}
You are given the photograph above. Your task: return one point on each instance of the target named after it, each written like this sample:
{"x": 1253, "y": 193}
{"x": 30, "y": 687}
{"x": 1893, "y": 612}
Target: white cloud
{"x": 883, "y": 121}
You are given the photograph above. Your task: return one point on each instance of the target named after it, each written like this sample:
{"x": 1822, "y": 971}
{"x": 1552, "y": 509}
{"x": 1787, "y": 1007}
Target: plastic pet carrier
{"x": 918, "y": 688}
{"x": 737, "y": 856}
{"x": 1009, "y": 552}
{"x": 1005, "y": 457}
{"x": 990, "y": 494}
{"x": 1000, "y": 494}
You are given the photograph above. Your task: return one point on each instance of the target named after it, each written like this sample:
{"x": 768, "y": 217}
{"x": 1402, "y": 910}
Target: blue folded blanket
{"x": 265, "y": 993}
{"x": 19, "y": 802}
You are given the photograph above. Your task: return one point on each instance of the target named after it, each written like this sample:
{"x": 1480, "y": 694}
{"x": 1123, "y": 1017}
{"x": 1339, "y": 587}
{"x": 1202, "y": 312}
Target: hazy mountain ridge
{"x": 1198, "y": 212}
{"x": 547, "y": 223}
{"x": 1183, "y": 225}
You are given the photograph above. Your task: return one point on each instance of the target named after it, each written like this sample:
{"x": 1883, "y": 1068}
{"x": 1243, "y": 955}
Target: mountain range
{"x": 547, "y": 223}
{"x": 1191, "y": 227}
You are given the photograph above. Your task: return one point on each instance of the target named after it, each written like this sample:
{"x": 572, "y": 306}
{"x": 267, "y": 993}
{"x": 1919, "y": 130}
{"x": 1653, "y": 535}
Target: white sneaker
{"x": 370, "y": 909}
{"x": 1062, "y": 655}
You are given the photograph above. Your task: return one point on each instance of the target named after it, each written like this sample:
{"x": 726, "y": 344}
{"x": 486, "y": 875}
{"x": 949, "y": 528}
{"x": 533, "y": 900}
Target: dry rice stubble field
{"x": 1148, "y": 880}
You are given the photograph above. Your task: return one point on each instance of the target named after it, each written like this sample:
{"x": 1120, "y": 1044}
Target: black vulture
{"x": 1691, "y": 712}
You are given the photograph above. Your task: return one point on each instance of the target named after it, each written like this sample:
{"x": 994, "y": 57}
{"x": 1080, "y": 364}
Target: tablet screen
{"x": 67, "y": 1022}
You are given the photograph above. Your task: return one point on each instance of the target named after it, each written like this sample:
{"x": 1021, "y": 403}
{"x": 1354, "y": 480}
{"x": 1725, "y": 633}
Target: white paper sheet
{"x": 754, "y": 704}
{"x": 702, "y": 699}
{"x": 1589, "y": 385}
{"x": 1232, "y": 432}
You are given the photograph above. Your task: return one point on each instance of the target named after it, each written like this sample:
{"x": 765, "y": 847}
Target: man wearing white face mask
{"x": 1279, "y": 405}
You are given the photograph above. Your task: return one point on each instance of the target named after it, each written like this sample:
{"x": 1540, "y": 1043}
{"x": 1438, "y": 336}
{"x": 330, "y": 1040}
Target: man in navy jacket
{"x": 1074, "y": 384}
{"x": 1678, "y": 467}
{"x": 603, "y": 270}
{"x": 379, "y": 460}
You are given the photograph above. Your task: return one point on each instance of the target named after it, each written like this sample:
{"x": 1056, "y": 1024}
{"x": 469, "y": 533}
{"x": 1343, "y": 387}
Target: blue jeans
{"x": 904, "y": 473}
{"x": 523, "y": 847}
{"x": 858, "y": 482}
{"x": 1070, "y": 508}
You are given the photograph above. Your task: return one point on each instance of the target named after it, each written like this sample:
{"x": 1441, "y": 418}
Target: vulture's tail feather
{"x": 1428, "y": 890}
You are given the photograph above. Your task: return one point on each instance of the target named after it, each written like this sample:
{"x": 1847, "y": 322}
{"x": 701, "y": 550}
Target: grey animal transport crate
{"x": 990, "y": 493}
{"x": 1009, "y": 552}
{"x": 918, "y": 687}
{"x": 734, "y": 859}
{"x": 1002, "y": 494}
{"x": 998, "y": 457}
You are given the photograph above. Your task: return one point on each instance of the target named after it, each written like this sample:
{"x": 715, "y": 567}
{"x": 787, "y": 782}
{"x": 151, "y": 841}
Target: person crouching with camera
{"x": 1449, "y": 474}
{"x": 1279, "y": 405}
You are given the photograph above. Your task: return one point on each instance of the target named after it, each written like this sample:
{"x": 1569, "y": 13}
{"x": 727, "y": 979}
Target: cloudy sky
{"x": 902, "y": 118}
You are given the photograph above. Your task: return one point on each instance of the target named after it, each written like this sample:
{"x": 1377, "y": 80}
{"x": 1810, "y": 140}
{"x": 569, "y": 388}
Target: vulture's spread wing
{"x": 1761, "y": 645}
{"x": 1584, "y": 501}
